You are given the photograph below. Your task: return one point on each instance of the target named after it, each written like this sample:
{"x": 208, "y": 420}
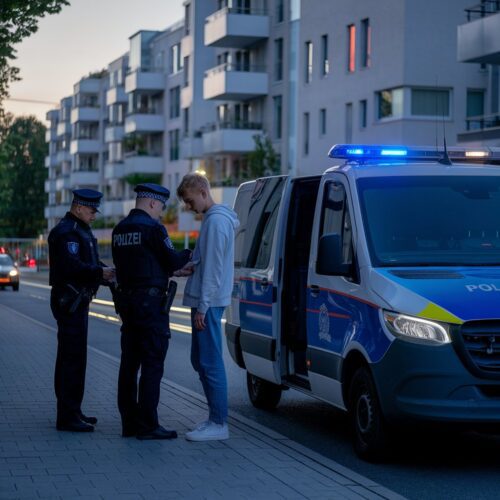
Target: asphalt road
{"x": 429, "y": 464}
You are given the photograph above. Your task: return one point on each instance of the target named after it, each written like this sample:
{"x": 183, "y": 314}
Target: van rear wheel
{"x": 371, "y": 435}
{"x": 263, "y": 394}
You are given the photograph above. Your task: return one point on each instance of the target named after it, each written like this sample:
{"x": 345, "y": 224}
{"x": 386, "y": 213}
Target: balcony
{"x": 235, "y": 82}
{"x": 63, "y": 183}
{"x": 192, "y": 147}
{"x": 481, "y": 129}
{"x": 113, "y": 208}
{"x": 152, "y": 81}
{"x": 51, "y": 134}
{"x": 479, "y": 39}
{"x": 62, "y": 156}
{"x": 84, "y": 178}
{"x": 50, "y": 185}
{"x": 79, "y": 146}
{"x": 144, "y": 122}
{"x": 114, "y": 133}
{"x": 143, "y": 164}
{"x": 85, "y": 114}
{"x": 87, "y": 86}
{"x": 63, "y": 128}
{"x": 56, "y": 211}
{"x": 51, "y": 161}
{"x": 236, "y": 27}
{"x": 114, "y": 171}
{"x": 116, "y": 95}
{"x": 230, "y": 137}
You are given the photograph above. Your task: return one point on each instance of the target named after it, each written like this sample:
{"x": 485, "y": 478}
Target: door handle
{"x": 315, "y": 290}
{"x": 264, "y": 283}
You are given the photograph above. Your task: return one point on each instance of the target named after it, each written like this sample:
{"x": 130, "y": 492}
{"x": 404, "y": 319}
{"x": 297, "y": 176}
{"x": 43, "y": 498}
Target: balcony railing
{"x": 236, "y": 10}
{"x": 226, "y": 67}
{"x": 232, "y": 124}
{"x": 483, "y": 9}
{"x": 482, "y": 122}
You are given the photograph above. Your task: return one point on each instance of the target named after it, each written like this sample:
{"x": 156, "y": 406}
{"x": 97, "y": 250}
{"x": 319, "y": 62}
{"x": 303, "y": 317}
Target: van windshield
{"x": 432, "y": 220}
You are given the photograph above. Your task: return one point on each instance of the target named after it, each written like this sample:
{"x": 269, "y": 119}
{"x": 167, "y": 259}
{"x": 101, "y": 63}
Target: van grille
{"x": 482, "y": 343}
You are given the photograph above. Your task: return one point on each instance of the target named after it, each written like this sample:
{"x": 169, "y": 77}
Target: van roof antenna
{"x": 445, "y": 160}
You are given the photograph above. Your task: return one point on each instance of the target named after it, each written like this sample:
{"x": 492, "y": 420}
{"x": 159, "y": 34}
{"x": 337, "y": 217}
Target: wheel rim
{"x": 364, "y": 413}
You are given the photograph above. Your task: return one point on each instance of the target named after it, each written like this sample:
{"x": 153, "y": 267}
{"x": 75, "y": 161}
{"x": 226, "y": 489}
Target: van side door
{"x": 258, "y": 275}
{"x": 331, "y": 305}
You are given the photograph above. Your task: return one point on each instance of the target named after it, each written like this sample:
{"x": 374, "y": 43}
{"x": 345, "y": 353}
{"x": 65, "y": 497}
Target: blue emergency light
{"x": 360, "y": 153}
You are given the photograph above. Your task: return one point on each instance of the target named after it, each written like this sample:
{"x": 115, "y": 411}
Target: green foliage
{"x": 22, "y": 175}
{"x": 134, "y": 179}
{"x": 178, "y": 242}
{"x": 18, "y": 20}
{"x": 263, "y": 160}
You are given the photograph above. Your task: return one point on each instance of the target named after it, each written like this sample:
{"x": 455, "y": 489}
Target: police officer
{"x": 145, "y": 259}
{"x": 75, "y": 275}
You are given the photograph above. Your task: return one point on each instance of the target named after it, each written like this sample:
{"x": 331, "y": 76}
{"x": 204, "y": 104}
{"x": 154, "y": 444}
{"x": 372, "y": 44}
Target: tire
{"x": 371, "y": 436}
{"x": 15, "y": 288}
{"x": 263, "y": 394}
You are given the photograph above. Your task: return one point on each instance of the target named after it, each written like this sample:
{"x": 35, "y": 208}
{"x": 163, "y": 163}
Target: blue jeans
{"x": 207, "y": 360}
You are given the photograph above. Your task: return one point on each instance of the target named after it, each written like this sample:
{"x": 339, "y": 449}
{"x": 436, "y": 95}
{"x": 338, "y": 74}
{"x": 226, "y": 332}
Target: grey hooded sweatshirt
{"x": 211, "y": 283}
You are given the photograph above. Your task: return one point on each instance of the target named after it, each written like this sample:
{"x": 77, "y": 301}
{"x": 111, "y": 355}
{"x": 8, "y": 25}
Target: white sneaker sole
{"x": 206, "y": 438}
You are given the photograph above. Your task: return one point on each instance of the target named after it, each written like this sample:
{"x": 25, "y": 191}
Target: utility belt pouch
{"x": 168, "y": 299}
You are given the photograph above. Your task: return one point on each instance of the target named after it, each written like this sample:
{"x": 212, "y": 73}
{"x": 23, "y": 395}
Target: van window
{"x": 241, "y": 205}
{"x": 261, "y": 221}
{"x": 335, "y": 217}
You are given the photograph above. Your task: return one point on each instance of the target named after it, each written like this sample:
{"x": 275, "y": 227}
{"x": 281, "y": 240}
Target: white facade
{"x": 304, "y": 73}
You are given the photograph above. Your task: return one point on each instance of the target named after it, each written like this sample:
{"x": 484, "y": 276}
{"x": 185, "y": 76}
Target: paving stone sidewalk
{"x": 36, "y": 461}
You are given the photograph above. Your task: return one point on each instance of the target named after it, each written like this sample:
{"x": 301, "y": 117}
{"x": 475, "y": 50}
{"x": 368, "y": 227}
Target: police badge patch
{"x": 73, "y": 247}
{"x": 168, "y": 243}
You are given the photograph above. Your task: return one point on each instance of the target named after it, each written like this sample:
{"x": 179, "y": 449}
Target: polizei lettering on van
{"x": 483, "y": 287}
{"x": 127, "y": 239}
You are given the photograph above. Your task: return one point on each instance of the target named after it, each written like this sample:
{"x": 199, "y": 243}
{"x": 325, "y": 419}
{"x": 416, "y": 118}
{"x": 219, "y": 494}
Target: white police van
{"x": 375, "y": 287}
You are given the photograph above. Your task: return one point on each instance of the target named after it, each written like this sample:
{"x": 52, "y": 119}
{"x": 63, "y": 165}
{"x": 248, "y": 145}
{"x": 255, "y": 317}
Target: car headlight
{"x": 13, "y": 272}
{"x": 416, "y": 329}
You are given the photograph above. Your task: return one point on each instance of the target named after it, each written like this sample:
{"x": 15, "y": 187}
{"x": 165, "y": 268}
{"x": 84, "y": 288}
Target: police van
{"x": 374, "y": 287}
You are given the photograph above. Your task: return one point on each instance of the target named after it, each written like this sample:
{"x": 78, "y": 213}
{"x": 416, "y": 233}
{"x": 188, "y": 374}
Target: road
{"x": 436, "y": 464}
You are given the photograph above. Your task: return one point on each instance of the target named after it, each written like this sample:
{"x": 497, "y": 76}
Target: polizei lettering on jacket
{"x": 483, "y": 287}
{"x": 126, "y": 239}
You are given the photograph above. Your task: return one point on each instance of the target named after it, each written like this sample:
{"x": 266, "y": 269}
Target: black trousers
{"x": 71, "y": 361}
{"x": 144, "y": 343}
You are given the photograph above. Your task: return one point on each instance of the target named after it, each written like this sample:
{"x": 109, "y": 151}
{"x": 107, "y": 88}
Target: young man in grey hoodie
{"x": 208, "y": 291}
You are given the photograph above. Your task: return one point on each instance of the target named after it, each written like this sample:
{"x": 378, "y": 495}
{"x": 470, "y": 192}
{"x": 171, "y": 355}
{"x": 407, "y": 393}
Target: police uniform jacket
{"x": 73, "y": 255}
{"x": 143, "y": 253}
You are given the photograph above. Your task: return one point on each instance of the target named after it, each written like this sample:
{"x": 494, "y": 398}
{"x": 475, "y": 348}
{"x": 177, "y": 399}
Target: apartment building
{"x": 304, "y": 73}
{"x": 479, "y": 47}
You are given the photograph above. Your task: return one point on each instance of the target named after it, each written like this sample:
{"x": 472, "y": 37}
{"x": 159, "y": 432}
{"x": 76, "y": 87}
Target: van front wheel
{"x": 263, "y": 394}
{"x": 371, "y": 436}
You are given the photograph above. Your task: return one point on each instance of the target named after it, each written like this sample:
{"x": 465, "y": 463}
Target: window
{"x": 335, "y": 218}
{"x": 348, "y": 122}
{"x": 325, "y": 65}
{"x": 186, "y": 121}
{"x": 278, "y": 112}
{"x": 322, "y": 121}
{"x": 186, "y": 71}
{"x": 475, "y": 109}
{"x": 351, "y": 48}
{"x": 430, "y": 102}
{"x": 308, "y": 68}
{"x": 280, "y": 11}
{"x": 173, "y": 136}
{"x": 366, "y": 43}
{"x": 175, "y": 58}
{"x": 306, "y": 134}
{"x": 390, "y": 103}
{"x": 187, "y": 19}
{"x": 278, "y": 58}
{"x": 363, "y": 110}
{"x": 175, "y": 102}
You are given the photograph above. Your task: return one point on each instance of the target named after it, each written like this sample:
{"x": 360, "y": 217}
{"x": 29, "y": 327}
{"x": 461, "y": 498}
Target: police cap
{"x": 150, "y": 190}
{"x": 87, "y": 197}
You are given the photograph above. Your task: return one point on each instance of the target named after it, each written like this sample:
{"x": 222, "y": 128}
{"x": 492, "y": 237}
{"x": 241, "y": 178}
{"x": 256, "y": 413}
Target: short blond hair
{"x": 190, "y": 181}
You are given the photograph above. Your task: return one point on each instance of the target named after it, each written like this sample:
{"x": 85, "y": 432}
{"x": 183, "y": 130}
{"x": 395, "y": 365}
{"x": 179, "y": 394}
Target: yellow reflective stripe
{"x": 433, "y": 311}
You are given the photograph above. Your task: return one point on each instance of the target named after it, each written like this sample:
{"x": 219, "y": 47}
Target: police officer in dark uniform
{"x": 145, "y": 259}
{"x": 75, "y": 275}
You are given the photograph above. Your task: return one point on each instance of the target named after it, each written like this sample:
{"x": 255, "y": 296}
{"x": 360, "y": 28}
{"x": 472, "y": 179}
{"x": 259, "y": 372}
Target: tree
{"x": 22, "y": 175}
{"x": 18, "y": 20}
{"x": 263, "y": 160}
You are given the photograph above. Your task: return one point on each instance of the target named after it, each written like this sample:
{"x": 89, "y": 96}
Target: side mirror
{"x": 330, "y": 256}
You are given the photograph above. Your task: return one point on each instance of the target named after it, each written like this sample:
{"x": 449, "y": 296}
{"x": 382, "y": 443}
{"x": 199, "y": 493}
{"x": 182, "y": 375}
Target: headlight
{"x": 417, "y": 329}
{"x": 14, "y": 272}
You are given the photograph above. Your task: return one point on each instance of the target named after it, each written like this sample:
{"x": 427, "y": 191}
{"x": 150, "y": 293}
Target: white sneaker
{"x": 209, "y": 432}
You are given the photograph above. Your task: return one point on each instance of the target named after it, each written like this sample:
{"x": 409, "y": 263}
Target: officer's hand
{"x": 199, "y": 321}
{"x": 187, "y": 270}
{"x": 108, "y": 273}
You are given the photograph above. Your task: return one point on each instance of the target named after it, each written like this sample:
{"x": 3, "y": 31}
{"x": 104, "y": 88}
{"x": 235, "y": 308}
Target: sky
{"x": 84, "y": 37}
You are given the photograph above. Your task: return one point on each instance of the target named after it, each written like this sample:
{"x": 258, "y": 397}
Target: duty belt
{"x": 153, "y": 291}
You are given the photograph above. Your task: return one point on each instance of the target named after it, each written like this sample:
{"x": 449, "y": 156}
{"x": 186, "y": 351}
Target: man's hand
{"x": 108, "y": 273}
{"x": 187, "y": 270}
{"x": 199, "y": 321}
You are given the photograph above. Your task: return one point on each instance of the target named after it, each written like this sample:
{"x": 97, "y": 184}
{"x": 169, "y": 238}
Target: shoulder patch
{"x": 168, "y": 243}
{"x": 73, "y": 247}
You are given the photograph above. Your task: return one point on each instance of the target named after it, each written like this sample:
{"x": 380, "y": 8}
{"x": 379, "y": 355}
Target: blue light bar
{"x": 393, "y": 152}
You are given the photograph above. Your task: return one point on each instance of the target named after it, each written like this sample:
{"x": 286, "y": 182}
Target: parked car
{"x": 9, "y": 274}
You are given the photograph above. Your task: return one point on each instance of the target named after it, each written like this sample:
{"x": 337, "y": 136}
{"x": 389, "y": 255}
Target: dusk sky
{"x": 84, "y": 37}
